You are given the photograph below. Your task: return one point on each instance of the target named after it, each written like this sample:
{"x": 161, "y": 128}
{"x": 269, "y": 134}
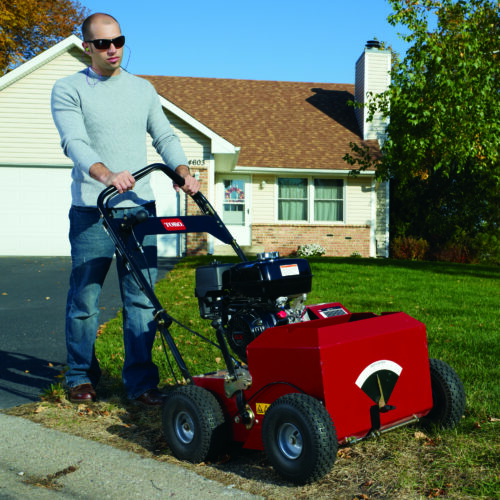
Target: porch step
{"x": 248, "y": 250}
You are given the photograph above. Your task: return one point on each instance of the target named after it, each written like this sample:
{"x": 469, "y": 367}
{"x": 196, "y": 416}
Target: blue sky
{"x": 289, "y": 40}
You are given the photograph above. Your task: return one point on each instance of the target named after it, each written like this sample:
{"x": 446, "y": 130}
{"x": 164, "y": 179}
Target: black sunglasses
{"x": 105, "y": 44}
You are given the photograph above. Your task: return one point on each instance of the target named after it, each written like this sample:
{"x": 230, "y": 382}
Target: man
{"x": 102, "y": 114}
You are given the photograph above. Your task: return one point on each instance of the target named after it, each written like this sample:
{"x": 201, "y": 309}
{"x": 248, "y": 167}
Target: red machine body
{"x": 371, "y": 372}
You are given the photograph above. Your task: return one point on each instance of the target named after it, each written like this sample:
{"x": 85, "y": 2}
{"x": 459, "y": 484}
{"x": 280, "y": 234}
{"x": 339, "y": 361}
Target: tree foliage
{"x": 28, "y": 27}
{"x": 442, "y": 151}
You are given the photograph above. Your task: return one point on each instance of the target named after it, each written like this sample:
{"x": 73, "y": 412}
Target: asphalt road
{"x": 32, "y": 310}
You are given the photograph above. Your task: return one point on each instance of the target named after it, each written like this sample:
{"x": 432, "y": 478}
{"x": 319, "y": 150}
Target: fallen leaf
{"x": 51, "y": 365}
{"x": 477, "y": 425}
{"x": 217, "y": 360}
{"x": 344, "y": 453}
{"x": 47, "y": 298}
{"x": 39, "y": 409}
{"x": 419, "y": 435}
{"x": 5, "y": 293}
{"x": 493, "y": 419}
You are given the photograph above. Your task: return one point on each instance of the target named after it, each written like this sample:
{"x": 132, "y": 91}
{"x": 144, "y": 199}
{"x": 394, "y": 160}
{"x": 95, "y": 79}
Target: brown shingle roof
{"x": 276, "y": 124}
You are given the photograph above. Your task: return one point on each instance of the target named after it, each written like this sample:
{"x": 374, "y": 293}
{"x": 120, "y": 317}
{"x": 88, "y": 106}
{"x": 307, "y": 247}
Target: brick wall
{"x": 196, "y": 243}
{"x": 338, "y": 241}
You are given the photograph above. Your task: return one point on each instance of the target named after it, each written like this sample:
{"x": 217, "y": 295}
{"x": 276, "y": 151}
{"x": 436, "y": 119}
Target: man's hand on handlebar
{"x": 122, "y": 181}
{"x": 191, "y": 184}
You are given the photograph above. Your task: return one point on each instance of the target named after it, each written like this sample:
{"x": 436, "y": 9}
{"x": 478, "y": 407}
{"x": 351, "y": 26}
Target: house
{"x": 268, "y": 154}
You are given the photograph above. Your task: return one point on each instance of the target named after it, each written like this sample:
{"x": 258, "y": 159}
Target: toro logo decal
{"x": 173, "y": 224}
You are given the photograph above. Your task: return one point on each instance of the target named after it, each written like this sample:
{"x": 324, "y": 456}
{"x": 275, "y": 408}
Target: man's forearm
{"x": 123, "y": 181}
{"x": 101, "y": 173}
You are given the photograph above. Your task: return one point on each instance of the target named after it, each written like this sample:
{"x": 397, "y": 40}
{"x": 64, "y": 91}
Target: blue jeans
{"x": 92, "y": 252}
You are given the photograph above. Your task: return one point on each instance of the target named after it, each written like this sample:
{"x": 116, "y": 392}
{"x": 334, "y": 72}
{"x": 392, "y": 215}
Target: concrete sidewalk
{"x": 30, "y": 453}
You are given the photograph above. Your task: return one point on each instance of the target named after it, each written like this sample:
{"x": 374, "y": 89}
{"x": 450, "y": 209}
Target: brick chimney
{"x": 372, "y": 75}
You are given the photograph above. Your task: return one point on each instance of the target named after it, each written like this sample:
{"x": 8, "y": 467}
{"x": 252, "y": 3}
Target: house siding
{"x": 358, "y": 194}
{"x": 263, "y": 196}
{"x": 195, "y": 145}
{"x": 372, "y": 75}
{"x": 27, "y": 133}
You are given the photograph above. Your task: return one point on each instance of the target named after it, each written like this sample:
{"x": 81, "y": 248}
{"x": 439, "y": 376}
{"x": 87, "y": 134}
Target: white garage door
{"x": 34, "y": 205}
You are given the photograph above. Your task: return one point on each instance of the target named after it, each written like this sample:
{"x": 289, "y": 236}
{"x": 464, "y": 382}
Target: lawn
{"x": 458, "y": 304}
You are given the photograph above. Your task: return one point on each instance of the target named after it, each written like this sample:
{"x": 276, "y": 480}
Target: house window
{"x": 328, "y": 200}
{"x": 292, "y": 199}
{"x": 313, "y": 200}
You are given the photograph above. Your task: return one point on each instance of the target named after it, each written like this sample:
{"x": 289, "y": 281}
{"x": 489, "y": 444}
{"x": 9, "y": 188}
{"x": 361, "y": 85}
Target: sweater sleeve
{"x": 165, "y": 141}
{"x": 67, "y": 115}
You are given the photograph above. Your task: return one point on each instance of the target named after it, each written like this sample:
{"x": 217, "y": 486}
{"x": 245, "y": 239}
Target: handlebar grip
{"x": 174, "y": 176}
{"x": 111, "y": 191}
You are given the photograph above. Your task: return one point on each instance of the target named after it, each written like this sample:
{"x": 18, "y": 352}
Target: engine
{"x": 250, "y": 297}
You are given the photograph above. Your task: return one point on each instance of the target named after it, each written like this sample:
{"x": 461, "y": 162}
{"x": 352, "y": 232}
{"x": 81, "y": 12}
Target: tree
{"x": 28, "y": 27}
{"x": 442, "y": 151}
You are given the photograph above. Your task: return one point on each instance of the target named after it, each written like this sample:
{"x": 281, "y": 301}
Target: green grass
{"x": 459, "y": 305}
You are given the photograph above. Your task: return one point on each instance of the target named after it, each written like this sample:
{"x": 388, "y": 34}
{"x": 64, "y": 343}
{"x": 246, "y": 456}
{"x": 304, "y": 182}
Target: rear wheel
{"x": 193, "y": 423}
{"x": 448, "y": 396}
{"x": 299, "y": 438}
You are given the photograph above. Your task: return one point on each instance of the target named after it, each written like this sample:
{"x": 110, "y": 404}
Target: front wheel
{"x": 448, "y": 396}
{"x": 299, "y": 438}
{"x": 193, "y": 423}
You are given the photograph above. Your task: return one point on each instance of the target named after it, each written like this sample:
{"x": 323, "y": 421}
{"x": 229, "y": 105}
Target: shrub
{"x": 310, "y": 250}
{"x": 453, "y": 252}
{"x": 409, "y": 248}
{"x": 486, "y": 248}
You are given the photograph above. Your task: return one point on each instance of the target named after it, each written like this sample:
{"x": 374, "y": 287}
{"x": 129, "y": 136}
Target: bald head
{"x": 95, "y": 20}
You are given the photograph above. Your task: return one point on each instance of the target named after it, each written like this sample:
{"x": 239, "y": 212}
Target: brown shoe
{"x": 151, "y": 398}
{"x": 83, "y": 393}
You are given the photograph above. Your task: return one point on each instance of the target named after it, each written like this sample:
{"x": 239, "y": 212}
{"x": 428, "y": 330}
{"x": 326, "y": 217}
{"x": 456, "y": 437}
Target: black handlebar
{"x": 216, "y": 227}
{"x": 111, "y": 191}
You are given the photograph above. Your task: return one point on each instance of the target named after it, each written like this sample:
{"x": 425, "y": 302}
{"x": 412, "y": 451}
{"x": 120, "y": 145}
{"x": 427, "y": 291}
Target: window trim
{"x": 310, "y": 200}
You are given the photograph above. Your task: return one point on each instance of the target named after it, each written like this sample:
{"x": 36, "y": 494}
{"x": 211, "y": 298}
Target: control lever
{"x": 130, "y": 222}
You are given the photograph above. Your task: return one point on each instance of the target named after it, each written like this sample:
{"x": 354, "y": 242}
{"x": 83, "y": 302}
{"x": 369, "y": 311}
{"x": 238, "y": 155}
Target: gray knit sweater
{"x": 105, "y": 119}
